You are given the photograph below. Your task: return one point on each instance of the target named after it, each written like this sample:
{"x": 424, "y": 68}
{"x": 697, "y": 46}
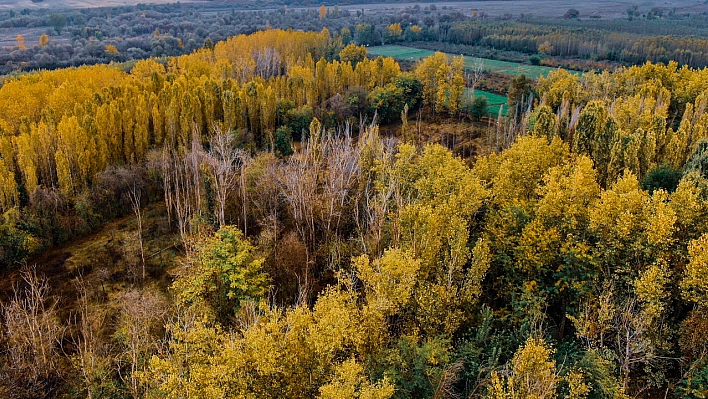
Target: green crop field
{"x": 509, "y": 68}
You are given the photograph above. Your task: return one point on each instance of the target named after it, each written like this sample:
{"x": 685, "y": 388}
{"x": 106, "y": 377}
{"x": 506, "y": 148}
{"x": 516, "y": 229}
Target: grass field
{"x": 508, "y": 68}
{"x": 495, "y": 101}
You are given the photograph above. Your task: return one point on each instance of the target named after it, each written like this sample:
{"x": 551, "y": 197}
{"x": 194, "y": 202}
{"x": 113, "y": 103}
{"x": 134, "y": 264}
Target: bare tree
{"x": 375, "y": 198}
{"x": 32, "y": 332}
{"x": 222, "y": 160}
{"x": 340, "y": 175}
{"x": 183, "y": 185}
{"x": 135, "y": 197}
{"x": 474, "y": 73}
{"x": 143, "y": 316}
{"x": 92, "y": 356}
{"x": 633, "y": 345}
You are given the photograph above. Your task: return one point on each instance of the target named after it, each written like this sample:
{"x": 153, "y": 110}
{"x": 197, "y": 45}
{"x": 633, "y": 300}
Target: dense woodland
{"x": 275, "y": 244}
{"x": 49, "y": 39}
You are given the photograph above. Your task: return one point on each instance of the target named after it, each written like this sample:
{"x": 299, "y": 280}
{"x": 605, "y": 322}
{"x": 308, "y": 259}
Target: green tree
{"x": 58, "y": 21}
{"x": 283, "y": 141}
{"x": 664, "y": 176}
{"x": 479, "y": 106}
{"x": 224, "y": 272}
{"x": 520, "y": 96}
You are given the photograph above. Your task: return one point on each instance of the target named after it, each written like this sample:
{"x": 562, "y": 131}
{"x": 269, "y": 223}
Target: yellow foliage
{"x": 694, "y": 286}
{"x": 532, "y": 374}
{"x": 111, "y": 49}
{"x": 389, "y": 280}
{"x": 350, "y": 382}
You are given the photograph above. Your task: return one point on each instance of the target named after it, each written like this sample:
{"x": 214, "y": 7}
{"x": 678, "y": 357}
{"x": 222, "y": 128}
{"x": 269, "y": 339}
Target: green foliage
{"x": 478, "y": 109}
{"x": 520, "y": 94}
{"x": 544, "y": 122}
{"x": 224, "y": 272}
{"x": 387, "y": 102}
{"x": 664, "y": 177}
{"x": 58, "y": 21}
{"x": 298, "y": 120}
{"x": 412, "y": 89}
{"x": 417, "y": 368}
{"x": 283, "y": 141}
{"x": 695, "y": 384}
{"x": 15, "y": 242}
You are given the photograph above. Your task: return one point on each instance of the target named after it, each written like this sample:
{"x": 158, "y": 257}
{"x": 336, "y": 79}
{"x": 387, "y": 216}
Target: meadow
{"x": 489, "y": 65}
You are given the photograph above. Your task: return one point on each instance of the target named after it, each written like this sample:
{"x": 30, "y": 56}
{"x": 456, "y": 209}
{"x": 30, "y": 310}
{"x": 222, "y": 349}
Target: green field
{"x": 508, "y": 68}
{"x": 495, "y": 101}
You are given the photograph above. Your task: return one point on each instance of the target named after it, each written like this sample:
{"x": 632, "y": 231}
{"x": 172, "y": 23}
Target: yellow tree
{"x": 26, "y": 160}
{"x": 353, "y": 53}
{"x": 532, "y": 374}
{"x": 694, "y": 286}
{"x": 393, "y": 32}
{"x": 21, "y": 42}
{"x": 8, "y": 187}
{"x": 43, "y": 40}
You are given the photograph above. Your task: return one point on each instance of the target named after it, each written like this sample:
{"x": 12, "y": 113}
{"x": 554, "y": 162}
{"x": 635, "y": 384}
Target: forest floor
{"x": 107, "y": 259}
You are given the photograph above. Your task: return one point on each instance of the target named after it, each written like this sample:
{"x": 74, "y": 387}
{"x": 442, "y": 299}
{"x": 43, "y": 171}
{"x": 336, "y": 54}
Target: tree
{"x": 141, "y": 321}
{"x": 694, "y": 286}
{"x": 571, "y": 14}
{"x": 353, "y": 53}
{"x": 223, "y": 274}
{"x": 665, "y": 177}
{"x": 520, "y": 95}
{"x": 222, "y": 160}
{"x": 479, "y": 106}
{"x": 21, "y": 42}
{"x": 283, "y": 142}
{"x": 43, "y": 40}
{"x": 32, "y": 333}
{"x": 135, "y": 197}
{"x": 532, "y": 374}
{"x": 393, "y": 32}
{"x": 545, "y": 48}
{"x": 698, "y": 162}
{"x": 350, "y": 382}
{"x": 112, "y": 50}
{"x": 323, "y": 12}
{"x": 58, "y": 21}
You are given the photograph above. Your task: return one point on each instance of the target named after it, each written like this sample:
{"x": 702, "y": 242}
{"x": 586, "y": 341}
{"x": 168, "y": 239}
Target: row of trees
{"x": 145, "y": 31}
{"x": 61, "y": 129}
{"x": 584, "y": 41}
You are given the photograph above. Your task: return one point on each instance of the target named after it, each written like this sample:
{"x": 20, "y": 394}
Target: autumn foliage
{"x": 570, "y": 263}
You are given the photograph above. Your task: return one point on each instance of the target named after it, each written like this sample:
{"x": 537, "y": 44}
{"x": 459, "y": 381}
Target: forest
{"x": 269, "y": 216}
{"x": 55, "y": 38}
